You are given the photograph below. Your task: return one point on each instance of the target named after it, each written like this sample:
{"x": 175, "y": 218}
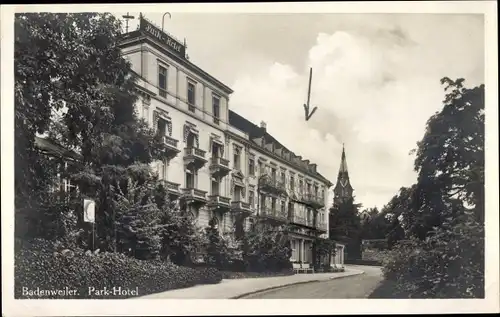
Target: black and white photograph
{"x": 209, "y": 152}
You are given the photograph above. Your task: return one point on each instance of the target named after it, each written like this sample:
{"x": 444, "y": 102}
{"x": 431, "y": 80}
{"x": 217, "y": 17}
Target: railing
{"x": 266, "y": 211}
{"x": 310, "y": 198}
{"x": 297, "y": 219}
{"x": 322, "y": 226}
{"x": 216, "y": 199}
{"x": 170, "y": 141}
{"x": 268, "y": 181}
{"x": 219, "y": 161}
{"x": 194, "y": 192}
{"x": 194, "y": 152}
{"x": 240, "y": 205}
{"x": 170, "y": 186}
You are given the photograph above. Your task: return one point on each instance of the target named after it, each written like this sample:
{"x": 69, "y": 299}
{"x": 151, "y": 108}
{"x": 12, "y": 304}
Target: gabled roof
{"x": 255, "y": 132}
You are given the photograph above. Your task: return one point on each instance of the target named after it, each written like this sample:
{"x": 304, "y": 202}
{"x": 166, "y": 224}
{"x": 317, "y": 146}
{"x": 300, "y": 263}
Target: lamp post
{"x": 163, "y": 18}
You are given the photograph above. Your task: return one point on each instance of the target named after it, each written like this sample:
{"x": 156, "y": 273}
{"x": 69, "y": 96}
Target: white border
{"x": 140, "y": 307}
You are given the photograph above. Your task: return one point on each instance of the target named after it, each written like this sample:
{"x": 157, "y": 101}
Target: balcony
{"x": 273, "y": 215}
{"x": 172, "y": 188}
{"x": 313, "y": 200}
{"x": 219, "y": 202}
{"x": 241, "y": 207}
{"x": 194, "y": 157}
{"x": 271, "y": 185}
{"x": 219, "y": 166}
{"x": 194, "y": 195}
{"x": 322, "y": 227}
{"x": 170, "y": 146}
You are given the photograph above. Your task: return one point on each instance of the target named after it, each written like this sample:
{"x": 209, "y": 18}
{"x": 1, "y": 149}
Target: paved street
{"x": 358, "y": 286}
{"x": 239, "y": 287}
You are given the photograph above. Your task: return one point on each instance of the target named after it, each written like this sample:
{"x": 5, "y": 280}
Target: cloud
{"x": 373, "y": 92}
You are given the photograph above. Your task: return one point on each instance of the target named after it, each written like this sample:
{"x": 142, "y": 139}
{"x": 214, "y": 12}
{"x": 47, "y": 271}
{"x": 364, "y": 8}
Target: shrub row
{"x": 363, "y": 262}
{"x": 87, "y": 273}
{"x": 238, "y": 275}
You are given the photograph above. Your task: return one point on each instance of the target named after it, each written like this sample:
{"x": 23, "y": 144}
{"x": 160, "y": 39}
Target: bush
{"x": 238, "y": 275}
{"x": 448, "y": 264}
{"x": 363, "y": 262}
{"x": 39, "y": 267}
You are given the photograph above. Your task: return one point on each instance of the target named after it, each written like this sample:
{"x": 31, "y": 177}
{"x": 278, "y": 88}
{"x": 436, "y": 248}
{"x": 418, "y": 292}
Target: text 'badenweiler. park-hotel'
{"x": 218, "y": 162}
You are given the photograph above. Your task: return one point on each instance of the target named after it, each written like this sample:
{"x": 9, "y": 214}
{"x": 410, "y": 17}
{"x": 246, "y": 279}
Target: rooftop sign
{"x": 173, "y": 45}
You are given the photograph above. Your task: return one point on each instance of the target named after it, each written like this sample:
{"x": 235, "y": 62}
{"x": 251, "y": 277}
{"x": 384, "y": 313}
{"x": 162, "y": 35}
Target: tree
{"x": 345, "y": 225}
{"x": 377, "y": 225}
{"x": 450, "y": 157}
{"x": 140, "y": 222}
{"x": 266, "y": 248}
{"x": 216, "y": 248}
{"x": 443, "y": 213}
{"x": 70, "y": 65}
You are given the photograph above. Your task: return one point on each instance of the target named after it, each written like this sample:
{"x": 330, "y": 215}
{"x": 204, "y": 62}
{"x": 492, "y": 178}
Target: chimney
{"x": 263, "y": 125}
{"x": 313, "y": 167}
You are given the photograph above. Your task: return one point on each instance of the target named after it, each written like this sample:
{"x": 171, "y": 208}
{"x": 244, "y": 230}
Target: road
{"x": 358, "y": 286}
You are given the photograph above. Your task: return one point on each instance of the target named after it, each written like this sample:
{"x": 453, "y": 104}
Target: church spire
{"x": 343, "y": 189}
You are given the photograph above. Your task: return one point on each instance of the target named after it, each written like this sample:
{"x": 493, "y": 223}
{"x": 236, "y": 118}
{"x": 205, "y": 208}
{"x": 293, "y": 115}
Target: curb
{"x": 292, "y": 284}
{"x": 271, "y": 288}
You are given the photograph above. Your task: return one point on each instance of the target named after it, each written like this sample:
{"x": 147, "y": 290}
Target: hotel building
{"x": 220, "y": 165}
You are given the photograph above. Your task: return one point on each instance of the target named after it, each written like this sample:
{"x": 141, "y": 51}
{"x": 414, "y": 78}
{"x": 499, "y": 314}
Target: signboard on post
{"x": 88, "y": 210}
{"x": 173, "y": 45}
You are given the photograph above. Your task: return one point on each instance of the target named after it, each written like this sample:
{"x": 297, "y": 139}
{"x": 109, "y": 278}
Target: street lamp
{"x": 163, "y": 18}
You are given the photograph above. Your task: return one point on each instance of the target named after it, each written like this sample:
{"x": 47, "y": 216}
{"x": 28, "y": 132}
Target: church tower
{"x": 343, "y": 189}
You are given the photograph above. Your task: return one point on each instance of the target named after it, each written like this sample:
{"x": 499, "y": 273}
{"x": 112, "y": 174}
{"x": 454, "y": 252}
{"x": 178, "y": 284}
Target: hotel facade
{"x": 220, "y": 165}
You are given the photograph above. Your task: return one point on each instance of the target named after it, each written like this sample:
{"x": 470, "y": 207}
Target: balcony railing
{"x": 194, "y": 194}
{"x": 240, "y": 206}
{"x": 219, "y": 200}
{"x": 170, "y": 141}
{"x": 219, "y": 166}
{"x": 310, "y": 199}
{"x": 194, "y": 156}
{"x": 321, "y": 226}
{"x": 173, "y": 188}
{"x": 268, "y": 183}
{"x": 273, "y": 213}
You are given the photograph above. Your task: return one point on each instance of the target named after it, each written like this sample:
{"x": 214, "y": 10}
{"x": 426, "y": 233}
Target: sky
{"x": 375, "y": 81}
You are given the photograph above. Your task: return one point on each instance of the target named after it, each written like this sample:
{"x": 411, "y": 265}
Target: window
{"x": 273, "y": 204}
{"x": 216, "y": 150}
{"x": 251, "y": 198}
{"x": 251, "y": 166}
{"x": 191, "y": 96}
{"x": 261, "y": 168}
{"x": 162, "y": 81}
{"x": 190, "y": 141}
{"x": 273, "y": 174}
{"x": 216, "y": 108}
{"x": 283, "y": 207}
{"x": 190, "y": 178}
{"x": 145, "y": 113}
{"x": 163, "y": 169}
{"x": 215, "y": 186}
{"x": 283, "y": 177}
{"x": 236, "y": 159}
{"x": 237, "y": 193}
{"x": 292, "y": 183}
{"x": 301, "y": 185}
{"x": 308, "y": 188}
{"x": 161, "y": 127}
{"x": 315, "y": 190}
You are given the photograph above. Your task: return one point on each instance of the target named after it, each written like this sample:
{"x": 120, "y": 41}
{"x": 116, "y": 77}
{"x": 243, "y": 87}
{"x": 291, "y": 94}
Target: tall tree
{"x": 443, "y": 213}
{"x": 345, "y": 225}
{"x": 71, "y": 64}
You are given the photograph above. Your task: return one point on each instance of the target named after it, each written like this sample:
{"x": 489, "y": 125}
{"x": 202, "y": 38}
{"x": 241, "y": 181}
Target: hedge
{"x": 86, "y": 273}
{"x": 363, "y": 262}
